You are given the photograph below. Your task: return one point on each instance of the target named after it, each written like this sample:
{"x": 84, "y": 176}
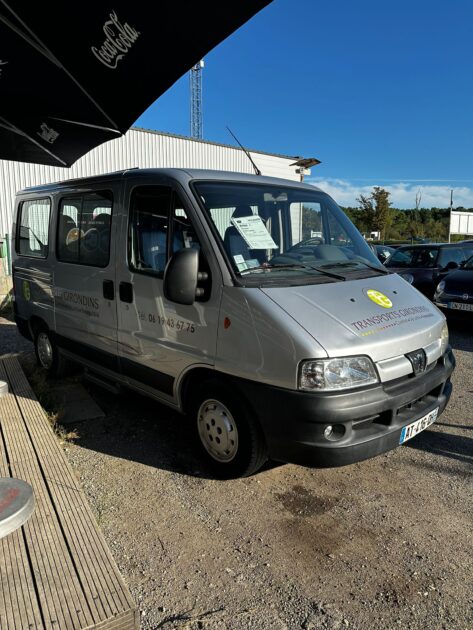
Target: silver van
{"x": 250, "y": 304}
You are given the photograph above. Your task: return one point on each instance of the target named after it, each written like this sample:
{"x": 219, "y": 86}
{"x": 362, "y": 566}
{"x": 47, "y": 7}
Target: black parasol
{"x": 76, "y": 74}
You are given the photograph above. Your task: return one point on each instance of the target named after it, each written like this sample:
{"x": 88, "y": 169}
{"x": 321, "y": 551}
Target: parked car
{"x": 428, "y": 264}
{"x": 210, "y": 292}
{"x": 383, "y": 252}
{"x": 454, "y": 294}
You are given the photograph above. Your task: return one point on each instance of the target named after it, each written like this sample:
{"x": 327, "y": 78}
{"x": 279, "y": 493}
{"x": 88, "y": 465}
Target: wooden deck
{"x": 56, "y": 571}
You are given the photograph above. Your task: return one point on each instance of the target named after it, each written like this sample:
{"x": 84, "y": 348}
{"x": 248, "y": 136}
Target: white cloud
{"x": 403, "y": 195}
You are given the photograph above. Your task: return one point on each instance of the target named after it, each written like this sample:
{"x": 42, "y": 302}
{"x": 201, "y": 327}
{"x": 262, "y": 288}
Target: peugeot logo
{"x": 418, "y": 360}
{"x": 465, "y": 296}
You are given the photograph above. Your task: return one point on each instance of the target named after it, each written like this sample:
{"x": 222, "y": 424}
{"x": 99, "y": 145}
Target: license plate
{"x": 419, "y": 425}
{"x": 461, "y": 306}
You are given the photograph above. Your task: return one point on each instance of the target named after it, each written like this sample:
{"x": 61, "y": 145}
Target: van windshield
{"x": 273, "y": 234}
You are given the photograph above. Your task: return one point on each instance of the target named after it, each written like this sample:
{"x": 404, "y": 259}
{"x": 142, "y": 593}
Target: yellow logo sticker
{"x": 379, "y": 298}
{"x": 26, "y": 290}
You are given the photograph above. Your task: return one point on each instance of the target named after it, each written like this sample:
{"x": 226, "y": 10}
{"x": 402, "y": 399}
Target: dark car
{"x": 428, "y": 264}
{"x": 383, "y": 252}
{"x": 454, "y": 294}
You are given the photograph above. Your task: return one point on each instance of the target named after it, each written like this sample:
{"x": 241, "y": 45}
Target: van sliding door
{"x": 84, "y": 275}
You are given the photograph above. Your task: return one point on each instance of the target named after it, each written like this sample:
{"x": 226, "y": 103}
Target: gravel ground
{"x": 386, "y": 543}
{"x": 10, "y": 339}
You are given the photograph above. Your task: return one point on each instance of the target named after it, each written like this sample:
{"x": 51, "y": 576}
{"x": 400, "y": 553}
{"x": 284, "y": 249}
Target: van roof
{"x": 182, "y": 174}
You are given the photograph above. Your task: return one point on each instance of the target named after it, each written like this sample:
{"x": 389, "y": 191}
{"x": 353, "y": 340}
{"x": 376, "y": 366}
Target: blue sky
{"x": 381, "y": 92}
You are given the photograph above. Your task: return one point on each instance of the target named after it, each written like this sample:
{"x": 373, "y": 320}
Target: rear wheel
{"x": 230, "y": 439}
{"x": 47, "y": 354}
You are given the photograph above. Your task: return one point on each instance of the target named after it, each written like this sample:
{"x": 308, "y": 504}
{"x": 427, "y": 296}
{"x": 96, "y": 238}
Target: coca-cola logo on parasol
{"x": 48, "y": 134}
{"x": 119, "y": 38}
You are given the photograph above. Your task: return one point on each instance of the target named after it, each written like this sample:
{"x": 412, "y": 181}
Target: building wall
{"x": 137, "y": 148}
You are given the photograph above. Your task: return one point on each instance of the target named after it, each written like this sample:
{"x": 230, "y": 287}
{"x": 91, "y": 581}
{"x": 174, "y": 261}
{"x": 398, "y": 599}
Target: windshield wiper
{"x": 297, "y": 266}
{"x": 275, "y": 266}
{"x": 328, "y": 273}
{"x": 361, "y": 262}
{"x": 380, "y": 269}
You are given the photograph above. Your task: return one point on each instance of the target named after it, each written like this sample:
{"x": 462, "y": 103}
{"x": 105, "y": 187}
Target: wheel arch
{"x": 195, "y": 377}
{"x": 35, "y": 323}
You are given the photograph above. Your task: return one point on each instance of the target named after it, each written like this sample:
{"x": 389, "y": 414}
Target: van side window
{"x": 153, "y": 210}
{"x": 84, "y": 226}
{"x": 33, "y": 228}
{"x": 149, "y": 222}
{"x": 183, "y": 233}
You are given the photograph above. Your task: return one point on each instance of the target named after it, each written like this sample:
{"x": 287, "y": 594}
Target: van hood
{"x": 381, "y": 317}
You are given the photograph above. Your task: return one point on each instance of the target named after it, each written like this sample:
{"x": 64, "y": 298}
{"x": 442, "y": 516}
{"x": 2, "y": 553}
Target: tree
{"x": 376, "y": 210}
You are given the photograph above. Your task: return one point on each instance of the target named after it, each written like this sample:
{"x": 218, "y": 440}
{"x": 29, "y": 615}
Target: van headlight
{"x": 328, "y": 374}
{"x": 440, "y": 287}
{"x": 444, "y": 339}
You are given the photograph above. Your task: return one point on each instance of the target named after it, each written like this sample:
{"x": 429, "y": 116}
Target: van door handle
{"x": 126, "y": 292}
{"x": 108, "y": 290}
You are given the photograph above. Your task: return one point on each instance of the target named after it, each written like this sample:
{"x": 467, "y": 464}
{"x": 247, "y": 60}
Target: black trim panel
{"x": 101, "y": 357}
{"x": 145, "y": 375}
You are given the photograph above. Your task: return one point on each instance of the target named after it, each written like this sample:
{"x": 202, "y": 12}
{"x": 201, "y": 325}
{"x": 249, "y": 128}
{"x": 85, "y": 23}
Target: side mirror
{"x": 451, "y": 265}
{"x": 180, "y": 276}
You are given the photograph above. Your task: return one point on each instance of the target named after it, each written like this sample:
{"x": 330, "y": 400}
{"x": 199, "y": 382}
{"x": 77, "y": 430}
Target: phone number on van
{"x": 168, "y": 322}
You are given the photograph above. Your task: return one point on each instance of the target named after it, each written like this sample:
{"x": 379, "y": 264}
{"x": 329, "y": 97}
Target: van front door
{"x": 159, "y": 340}
{"x": 84, "y": 276}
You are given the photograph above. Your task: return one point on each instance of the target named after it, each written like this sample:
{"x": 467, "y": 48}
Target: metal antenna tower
{"x": 195, "y": 82}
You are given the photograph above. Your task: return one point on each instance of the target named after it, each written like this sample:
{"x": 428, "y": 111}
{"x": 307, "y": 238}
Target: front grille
{"x": 409, "y": 410}
{"x": 383, "y": 418}
{"x": 419, "y": 404}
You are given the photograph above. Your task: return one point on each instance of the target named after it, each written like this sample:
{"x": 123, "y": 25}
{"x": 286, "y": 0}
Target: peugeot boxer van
{"x": 250, "y": 304}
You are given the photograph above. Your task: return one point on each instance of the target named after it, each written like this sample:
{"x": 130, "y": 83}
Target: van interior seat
{"x": 233, "y": 241}
{"x": 66, "y": 224}
{"x": 68, "y": 238}
{"x": 102, "y": 224}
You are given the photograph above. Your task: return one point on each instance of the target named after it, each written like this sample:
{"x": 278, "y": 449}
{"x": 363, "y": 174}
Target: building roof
{"x": 182, "y": 174}
{"x": 217, "y": 144}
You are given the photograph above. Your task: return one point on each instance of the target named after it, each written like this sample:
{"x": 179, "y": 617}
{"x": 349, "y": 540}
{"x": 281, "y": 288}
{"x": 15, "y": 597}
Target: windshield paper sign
{"x": 377, "y": 323}
{"x": 254, "y": 232}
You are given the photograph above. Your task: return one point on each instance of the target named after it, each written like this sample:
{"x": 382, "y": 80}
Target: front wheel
{"x": 230, "y": 440}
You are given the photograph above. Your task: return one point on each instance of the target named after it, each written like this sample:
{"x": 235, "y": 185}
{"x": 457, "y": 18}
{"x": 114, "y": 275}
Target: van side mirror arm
{"x": 181, "y": 276}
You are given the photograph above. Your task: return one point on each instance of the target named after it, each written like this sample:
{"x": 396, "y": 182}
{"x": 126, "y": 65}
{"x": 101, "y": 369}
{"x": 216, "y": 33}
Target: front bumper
{"x": 293, "y": 422}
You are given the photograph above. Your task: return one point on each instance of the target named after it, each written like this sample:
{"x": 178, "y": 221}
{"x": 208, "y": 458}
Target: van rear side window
{"x": 33, "y": 228}
{"x": 84, "y": 226}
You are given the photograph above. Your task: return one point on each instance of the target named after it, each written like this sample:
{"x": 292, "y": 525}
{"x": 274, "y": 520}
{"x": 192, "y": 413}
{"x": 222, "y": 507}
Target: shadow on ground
{"x": 449, "y": 445}
{"x": 140, "y": 429}
{"x": 461, "y": 335}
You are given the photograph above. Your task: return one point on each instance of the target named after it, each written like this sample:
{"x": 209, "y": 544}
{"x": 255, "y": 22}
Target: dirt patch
{"x": 301, "y": 502}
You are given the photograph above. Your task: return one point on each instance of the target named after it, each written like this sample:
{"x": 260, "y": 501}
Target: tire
{"x": 47, "y": 353}
{"x": 230, "y": 440}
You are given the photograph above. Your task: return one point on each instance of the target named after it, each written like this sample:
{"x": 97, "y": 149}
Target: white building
{"x": 137, "y": 148}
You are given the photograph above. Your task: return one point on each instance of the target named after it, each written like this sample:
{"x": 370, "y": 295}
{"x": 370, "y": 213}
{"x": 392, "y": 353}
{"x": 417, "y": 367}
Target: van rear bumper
{"x": 369, "y": 420}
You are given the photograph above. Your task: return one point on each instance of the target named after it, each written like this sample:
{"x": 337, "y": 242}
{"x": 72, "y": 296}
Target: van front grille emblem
{"x": 418, "y": 360}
